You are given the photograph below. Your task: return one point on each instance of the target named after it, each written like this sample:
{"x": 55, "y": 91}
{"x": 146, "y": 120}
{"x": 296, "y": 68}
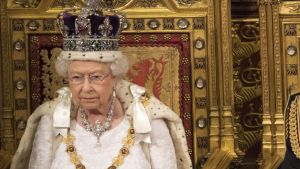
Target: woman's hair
{"x": 118, "y": 67}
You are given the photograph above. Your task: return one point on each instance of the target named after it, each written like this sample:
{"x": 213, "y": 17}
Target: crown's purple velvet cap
{"x": 96, "y": 20}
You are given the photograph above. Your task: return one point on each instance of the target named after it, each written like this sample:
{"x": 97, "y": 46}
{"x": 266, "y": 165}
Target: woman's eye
{"x": 76, "y": 77}
{"x": 96, "y": 77}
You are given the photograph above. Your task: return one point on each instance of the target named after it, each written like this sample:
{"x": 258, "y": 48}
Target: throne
{"x": 156, "y": 63}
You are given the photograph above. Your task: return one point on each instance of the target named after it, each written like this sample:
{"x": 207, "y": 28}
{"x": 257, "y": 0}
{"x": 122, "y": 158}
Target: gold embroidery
{"x": 293, "y": 128}
{"x": 117, "y": 161}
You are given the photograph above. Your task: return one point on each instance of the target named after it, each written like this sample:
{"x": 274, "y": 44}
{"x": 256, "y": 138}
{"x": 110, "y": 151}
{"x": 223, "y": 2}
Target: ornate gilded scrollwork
{"x": 187, "y": 2}
{"x": 19, "y": 65}
{"x": 168, "y": 23}
{"x": 293, "y": 8}
{"x": 27, "y": 3}
{"x": 18, "y": 25}
{"x": 250, "y": 32}
{"x": 290, "y": 30}
{"x": 247, "y": 86}
{"x": 199, "y": 23}
{"x": 63, "y": 3}
{"x": 292, "y": 69}
{"x": 271, "y": 2}
{"x": 263, "y": 2}
{"x": 148, "y": 3}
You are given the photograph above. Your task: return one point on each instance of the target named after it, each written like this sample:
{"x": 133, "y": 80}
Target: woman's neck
{"x": 102, "y": 113}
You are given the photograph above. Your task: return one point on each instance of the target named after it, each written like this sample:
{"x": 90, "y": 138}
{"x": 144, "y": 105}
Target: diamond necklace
{"x": 98, "y": 129}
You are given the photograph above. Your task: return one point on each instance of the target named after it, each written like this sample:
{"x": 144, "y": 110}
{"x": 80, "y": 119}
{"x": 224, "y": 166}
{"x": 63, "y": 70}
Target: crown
{"x": 89, "y": 29}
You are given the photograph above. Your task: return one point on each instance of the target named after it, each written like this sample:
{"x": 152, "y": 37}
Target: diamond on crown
{"x": 90, "y": 29}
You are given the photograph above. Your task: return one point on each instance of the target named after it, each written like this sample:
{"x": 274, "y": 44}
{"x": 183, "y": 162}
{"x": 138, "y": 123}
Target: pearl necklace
{"x": 98, "y": 129}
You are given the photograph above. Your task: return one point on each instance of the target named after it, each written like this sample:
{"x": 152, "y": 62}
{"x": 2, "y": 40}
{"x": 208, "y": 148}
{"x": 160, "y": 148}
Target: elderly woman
{"x": 100, "y": 121}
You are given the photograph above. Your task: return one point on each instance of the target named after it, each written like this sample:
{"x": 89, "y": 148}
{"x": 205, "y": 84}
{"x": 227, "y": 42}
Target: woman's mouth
{"x": 88, "y": 99}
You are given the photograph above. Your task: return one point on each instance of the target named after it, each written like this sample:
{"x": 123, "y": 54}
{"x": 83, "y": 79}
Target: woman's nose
{"x": 86, "y": 85}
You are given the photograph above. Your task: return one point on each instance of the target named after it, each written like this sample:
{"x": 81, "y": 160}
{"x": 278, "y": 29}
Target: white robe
{"x": 162, "y": 150}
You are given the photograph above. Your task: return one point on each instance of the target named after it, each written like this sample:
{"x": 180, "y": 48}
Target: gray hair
{"x": 118, "y": 67}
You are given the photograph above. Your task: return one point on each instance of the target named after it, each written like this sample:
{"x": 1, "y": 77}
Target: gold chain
{"x": 117, "y": 161}
{"x": 293, "y": 129}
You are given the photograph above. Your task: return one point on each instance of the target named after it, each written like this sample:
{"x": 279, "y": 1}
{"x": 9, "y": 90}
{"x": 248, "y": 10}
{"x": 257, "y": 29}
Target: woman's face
{"x": 91, "y": 84}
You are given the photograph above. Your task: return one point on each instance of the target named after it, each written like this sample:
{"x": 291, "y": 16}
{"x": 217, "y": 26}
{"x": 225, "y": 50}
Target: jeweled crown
{"x": 90, "y": 29}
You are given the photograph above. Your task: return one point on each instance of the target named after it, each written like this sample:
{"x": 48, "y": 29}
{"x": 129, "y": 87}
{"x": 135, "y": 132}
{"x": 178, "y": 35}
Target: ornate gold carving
{"x": 247, "y": 139}
{"x": 212, "y": 54}
{"x": 290, "y": 30}
{"x": 264, "y": 57}
{"x": 49, "y": 25}
{"x": 247, "y": 87}
{"x": 18, "y": 25}
{"x": 226, "y": 51}
{"x": 250, "y": 32}
{"x": 6, "y": 59}
{"x": 265, "y": 78}
{"x": 278, "y": 115}
{"x": 187, "y": 2}
{"x": 21, "y": 104}
{"x": 63, "y": 3}
{"x": 33, "y": 25}
{"x": 293, "y": 7}
{"x": 201, "y": 102}
{"x": 147, "y": 3}
{"x": 275, "y": 2}
{"x": 202, "y": 142}
{"x": 26, "y": 3}
{"x": 292, "y": 69}
{"x": 263, "y": 2}
{"x": 277, "y": 55}
{"x": 138, "y": 24}
{"x": 214, "y": 115}
{"x": 19, "y": 65}
{"x": 199, "y": 23}
{"x": 200, "y": 63}
{"x": 168, "y": 23}
{"x": 113, "y": 3}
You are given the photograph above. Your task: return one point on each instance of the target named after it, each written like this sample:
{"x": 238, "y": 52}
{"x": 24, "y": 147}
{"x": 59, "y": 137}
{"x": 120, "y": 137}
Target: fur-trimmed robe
{"x": 154, "y": 108}
{"x": 291, "y": 161}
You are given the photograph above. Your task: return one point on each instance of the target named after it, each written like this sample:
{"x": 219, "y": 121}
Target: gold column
{"x": 271, "y": 77}
{"x": 278, "y": 130}
{"x": 6, "y": 105}
{"x": 227, "y": 142}
{"x": 212, "y": 70}
{"x": 221, "y": 129}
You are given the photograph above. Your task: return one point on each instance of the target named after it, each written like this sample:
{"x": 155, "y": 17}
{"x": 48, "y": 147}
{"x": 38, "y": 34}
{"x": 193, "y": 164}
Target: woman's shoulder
{"x": 45, "y": 109}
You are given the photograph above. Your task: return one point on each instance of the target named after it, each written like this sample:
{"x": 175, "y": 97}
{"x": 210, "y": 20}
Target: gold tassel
{"x": 219, "y": 159}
